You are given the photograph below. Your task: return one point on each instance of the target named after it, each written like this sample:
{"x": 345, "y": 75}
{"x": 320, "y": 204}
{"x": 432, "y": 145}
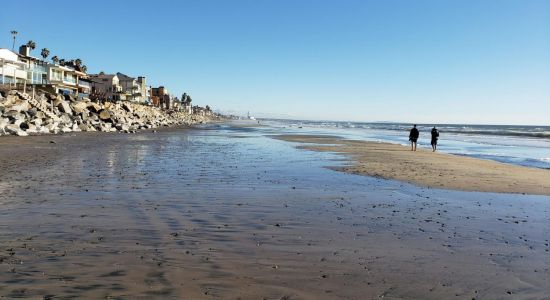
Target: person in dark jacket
{"x": 435, "y": 136}
{"x": 413, "y": 137}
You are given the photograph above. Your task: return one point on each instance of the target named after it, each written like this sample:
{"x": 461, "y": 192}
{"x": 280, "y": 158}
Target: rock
{"x": 104, "y": 115}
{"x": 15, "y": 117}
{"x": 123, "y": 127}
{"x": 105, "y": 127}
{"x": 37, "y": 121}
{"x": 32, "y": 112}
{"x": 40, "y": 115}
{"x": 127, "y": 107}
{"x": 24, "y": 125}
{"x": 65, "y": 119}
{"x": 52, "y": 127}
{"x": 93, "y": 107}
{"x": 64, "y": 106}
{"x": 10, "y": 99}
{"x": 79, "y": 107}
{"x": 15, "y": 130}
{"x": 31, "y": 128}
{"x": 84, "y": 127}
{"x": 4, "y": 122}
{"x": 21, "y": 106}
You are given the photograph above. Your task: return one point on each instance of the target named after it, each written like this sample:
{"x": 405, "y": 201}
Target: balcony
{"x": 84, "y": 84}
{"x": 39, "y": 69}
{"x": 69, "y": 80}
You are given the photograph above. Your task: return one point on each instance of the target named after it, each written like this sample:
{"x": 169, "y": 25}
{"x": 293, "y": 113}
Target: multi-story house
{"x": 66, "y": 80}
{"x": 135, "y": 89}
{"x": 107, "y": 86}
{"x": 160, "y": 97}
{"x": 23, "y": 68}
{"x": 12, "y": 69}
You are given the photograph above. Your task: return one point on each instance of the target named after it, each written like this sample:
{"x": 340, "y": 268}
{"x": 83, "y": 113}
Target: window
{"x": 56, "y": 75}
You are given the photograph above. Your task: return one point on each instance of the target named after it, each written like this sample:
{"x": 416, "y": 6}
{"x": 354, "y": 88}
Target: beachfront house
{"x": 66, "y": 80}
{"x": 22, "y": 68}
{"x": 12, "y": 69}
{"x": 54, "y": 77}
{"x": 118, "y": 87}
{"x": 160, "y": 97}
{"x": 107, "y": 86}
{"x": 134, "y": 89}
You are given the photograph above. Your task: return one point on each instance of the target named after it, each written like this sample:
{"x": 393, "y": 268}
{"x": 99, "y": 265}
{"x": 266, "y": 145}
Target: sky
{"x": 474, "y": 62}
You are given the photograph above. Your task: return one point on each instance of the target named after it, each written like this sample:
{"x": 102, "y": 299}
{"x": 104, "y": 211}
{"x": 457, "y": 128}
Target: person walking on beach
{"x": 435, "y": 136}
{"x": 413, "y": 137}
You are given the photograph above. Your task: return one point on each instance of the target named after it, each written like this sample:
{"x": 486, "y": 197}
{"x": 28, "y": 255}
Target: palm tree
{"x": 78, "y": 62}
{"x": 55, "y": 59}
{"x": 45, "y": 53}
{"x": 84, "y": 68}
{"x": 31, "y": 44}
{"x": 14, "y": 34}
{"x": 62, "y": 61}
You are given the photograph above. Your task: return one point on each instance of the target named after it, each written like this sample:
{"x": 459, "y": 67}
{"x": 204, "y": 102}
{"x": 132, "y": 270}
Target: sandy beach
{"x": 430, "y": 169}
{"x": 226, "y": 212}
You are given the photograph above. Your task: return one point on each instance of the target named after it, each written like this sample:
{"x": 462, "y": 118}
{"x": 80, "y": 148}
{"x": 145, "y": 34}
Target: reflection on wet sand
{"x": 200, "y": 214}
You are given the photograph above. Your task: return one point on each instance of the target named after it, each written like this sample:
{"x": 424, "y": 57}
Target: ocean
{"x": 513, "y": 144}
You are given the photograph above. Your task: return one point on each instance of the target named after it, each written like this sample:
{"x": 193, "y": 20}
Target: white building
{"x": 24, "y": 69}
{"x": 12, "y": 69}
{"x": 135, "y": 89}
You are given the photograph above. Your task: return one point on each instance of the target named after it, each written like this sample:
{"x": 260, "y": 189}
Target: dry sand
{"x": 430, "y": 169}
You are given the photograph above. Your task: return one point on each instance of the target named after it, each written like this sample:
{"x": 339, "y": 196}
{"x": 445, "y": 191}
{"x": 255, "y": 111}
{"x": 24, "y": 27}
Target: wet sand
{"x": 427, "y": 168}
{"x": 227, "y": 213}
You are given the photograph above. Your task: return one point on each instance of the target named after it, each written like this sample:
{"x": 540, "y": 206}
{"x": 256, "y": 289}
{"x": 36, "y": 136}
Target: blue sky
{"x": 485, "y": 62}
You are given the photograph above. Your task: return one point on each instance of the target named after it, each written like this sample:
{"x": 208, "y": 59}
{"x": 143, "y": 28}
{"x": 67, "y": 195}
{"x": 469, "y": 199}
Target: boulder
{"x": 105, "y": 115}
{"x": 15, "y": 116}
{"x": 105, "y": 127}
{"x": 21, "y": 106}
{"x": 79, "y": 107}
{"x": 31, "y": 128}
{"x": 53, "y": 127}
{"x": 32, "y": 112}
{"x": 40, "y": 115}
{"x": 63, "y": 106}
{"x": 127, "y": 107}
{"x": 85, "y": 127}
{"x": 94, "y": 107}
{"x": 66, "y": 119}
{"x": 15, "y": 130}
{"x": 37, "y": 121}
{"x": 4, "y": 122}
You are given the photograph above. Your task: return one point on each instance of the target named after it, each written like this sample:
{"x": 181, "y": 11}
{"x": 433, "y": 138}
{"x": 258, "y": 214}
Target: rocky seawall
{"x": 23, "y": 114}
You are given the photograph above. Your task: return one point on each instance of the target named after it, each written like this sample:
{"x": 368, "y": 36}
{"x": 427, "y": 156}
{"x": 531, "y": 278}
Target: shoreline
{"x": 426, "y": 168}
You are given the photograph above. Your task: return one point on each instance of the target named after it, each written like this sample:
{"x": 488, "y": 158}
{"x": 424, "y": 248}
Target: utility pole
{"x": 14, "y": 33}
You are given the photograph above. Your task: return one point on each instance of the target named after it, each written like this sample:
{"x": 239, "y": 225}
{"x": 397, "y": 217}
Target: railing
{"x": 84, "y": 84}
{"x": 38, "y": 69}
{"x": 69, "y": 80}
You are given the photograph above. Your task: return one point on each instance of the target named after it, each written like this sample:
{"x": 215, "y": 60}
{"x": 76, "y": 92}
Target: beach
{"x": 226, "y": 211}
{"x": 427, "y": 168}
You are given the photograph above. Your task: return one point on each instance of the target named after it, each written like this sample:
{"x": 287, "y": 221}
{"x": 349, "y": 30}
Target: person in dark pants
{"x": 413, "y": 137}
{"x": 435, "y": 136}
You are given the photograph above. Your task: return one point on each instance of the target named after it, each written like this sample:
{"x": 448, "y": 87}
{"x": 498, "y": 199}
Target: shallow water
{"x": 226, "y": 212}
{"x": 520, "y": 145}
